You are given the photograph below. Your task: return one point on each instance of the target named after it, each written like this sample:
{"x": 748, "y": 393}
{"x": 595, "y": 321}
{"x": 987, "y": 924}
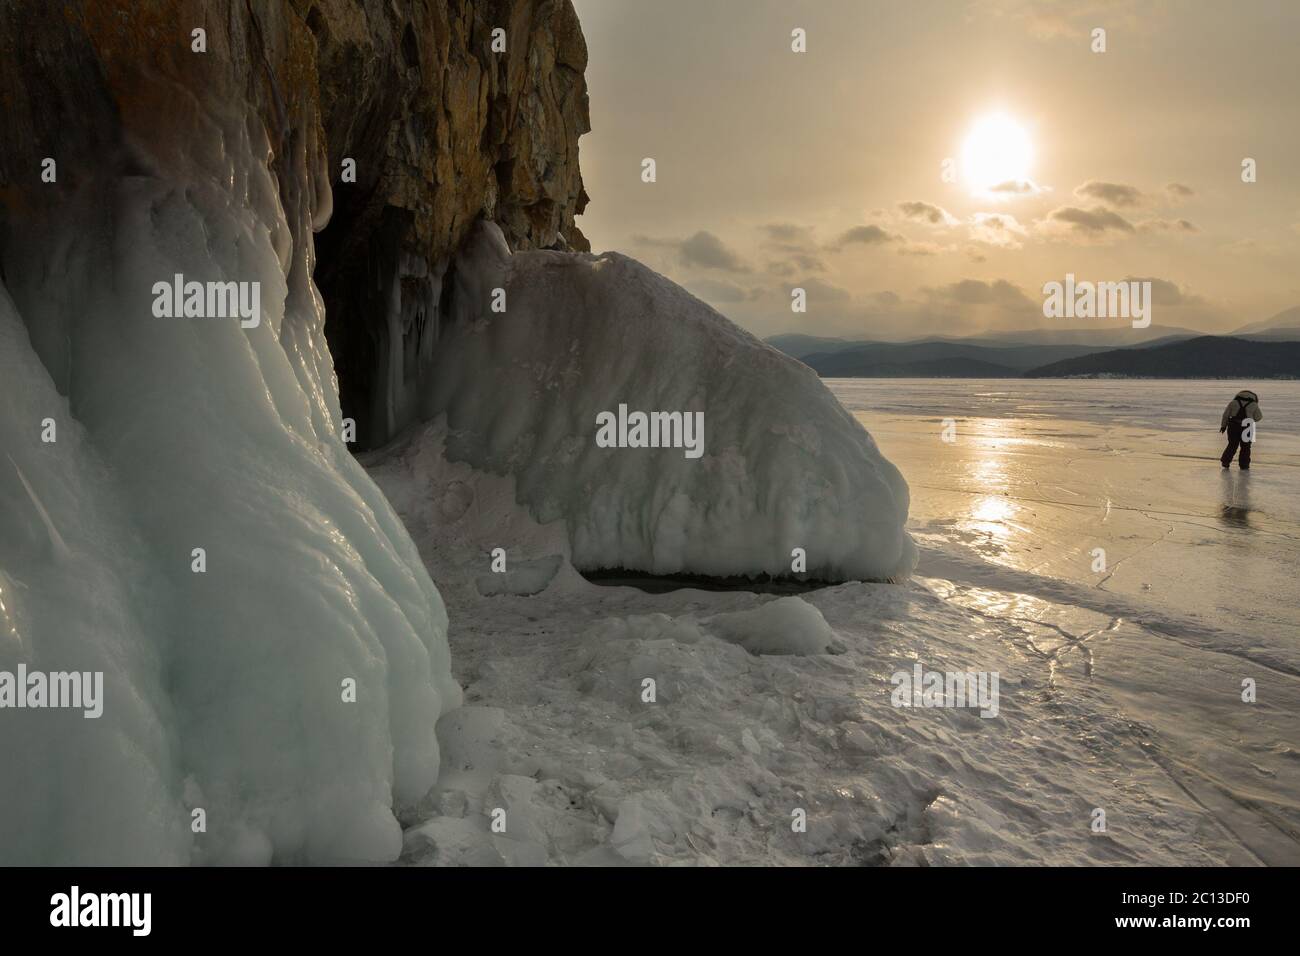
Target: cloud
{"x": 703, "y": 250}
{"x": 926, "y": 212}
{"x": 996, "y": 229}
{"x": 1094, "y": 222}
{"x": 920, "y": 249}
{"x": 1166, "y": 292}
{"x": 1179, "y": 193}
{"x": 1168, "y": 225}
{"x": 707, "y": 251}
{"x": 999, "y": 292}
{"x": 821, "y": 293}
{"x": 1112, "y": 194}
{"x": 1050, "y": 20}
{"x": 1017, "y": 187}
{"x": 868, "y": 235}
{"x": 797, "y": 262}
{"x": 788, "y": 234}
{"x": 796, "y": 248}
{"x": 964, "y": 307}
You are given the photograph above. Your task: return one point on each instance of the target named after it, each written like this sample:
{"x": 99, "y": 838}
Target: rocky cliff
{"x": 443, "y": 126}
{"x": 181, "y": 516}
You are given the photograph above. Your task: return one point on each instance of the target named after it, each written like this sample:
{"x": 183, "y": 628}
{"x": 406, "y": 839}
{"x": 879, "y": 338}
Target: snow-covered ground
{"x": 1120, "y": 690}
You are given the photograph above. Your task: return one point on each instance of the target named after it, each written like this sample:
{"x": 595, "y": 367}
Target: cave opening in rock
{"x": 384, "y": 311}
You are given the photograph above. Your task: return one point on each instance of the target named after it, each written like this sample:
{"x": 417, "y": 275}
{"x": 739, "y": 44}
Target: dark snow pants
{"x": 1235, "y": 442}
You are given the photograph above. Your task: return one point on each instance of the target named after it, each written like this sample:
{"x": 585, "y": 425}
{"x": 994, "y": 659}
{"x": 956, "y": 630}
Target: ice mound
{"x": 459, "y": 516}
{"x": 524, "y": 579}
{"x": 783, "y": 465}
{"x": 225, "y": 690}
{"x": 788, "y": 625}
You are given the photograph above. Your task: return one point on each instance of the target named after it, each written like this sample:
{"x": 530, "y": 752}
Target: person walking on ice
{"x": 1245, "y": 405}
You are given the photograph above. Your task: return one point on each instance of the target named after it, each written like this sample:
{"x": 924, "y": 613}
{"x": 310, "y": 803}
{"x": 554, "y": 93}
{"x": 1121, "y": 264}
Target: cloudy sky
{"x": 826, "y": 169}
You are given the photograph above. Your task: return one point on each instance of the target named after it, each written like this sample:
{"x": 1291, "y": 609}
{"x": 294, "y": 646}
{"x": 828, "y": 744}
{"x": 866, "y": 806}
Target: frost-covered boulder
{"x": 782, "y": 464}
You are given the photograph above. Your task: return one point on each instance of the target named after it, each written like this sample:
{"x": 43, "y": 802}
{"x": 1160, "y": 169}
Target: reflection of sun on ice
{"x": 991, "y": 530}
{"x": 991, "y": 514}
{"x": 997, "y": 150}
{"x": 990, "y": 520}
{"x": 993, "y": 510}
{"x": 989, "y": 471}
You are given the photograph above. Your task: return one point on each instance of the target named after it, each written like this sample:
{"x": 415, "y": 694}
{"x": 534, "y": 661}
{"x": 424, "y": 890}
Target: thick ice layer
{"x": 78, "y": 592}
{"x": 225, "y": 690}
{"x": 783, "y": 466}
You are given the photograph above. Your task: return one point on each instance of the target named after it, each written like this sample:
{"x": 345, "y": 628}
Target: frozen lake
{"x": 1041, "y": 473}
{"x": 1199, "y": 589}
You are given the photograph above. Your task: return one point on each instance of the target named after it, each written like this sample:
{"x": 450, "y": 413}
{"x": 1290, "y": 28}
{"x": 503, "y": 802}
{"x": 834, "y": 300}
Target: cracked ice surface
{"x": 1113, "y": 695}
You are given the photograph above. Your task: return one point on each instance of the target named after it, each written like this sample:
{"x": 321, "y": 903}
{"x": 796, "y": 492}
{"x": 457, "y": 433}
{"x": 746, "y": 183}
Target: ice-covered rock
{"x": 783, "y": 465}
{"x": 524, "y": 577}
{"x": 788, "y": 625}
{"x": 274, "y": 652}
{"x": 631, "y": 837}
{"x": 421, "y": 118}
{"x": 294, "y": 669}
{"x": 80, "y": 590}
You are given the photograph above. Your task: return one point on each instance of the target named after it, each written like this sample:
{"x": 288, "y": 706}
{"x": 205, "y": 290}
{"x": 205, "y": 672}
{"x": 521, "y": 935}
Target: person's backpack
{"x": 1240, "y": 415}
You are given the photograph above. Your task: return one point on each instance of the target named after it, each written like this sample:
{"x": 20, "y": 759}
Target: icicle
{"x": 57, "y": 545}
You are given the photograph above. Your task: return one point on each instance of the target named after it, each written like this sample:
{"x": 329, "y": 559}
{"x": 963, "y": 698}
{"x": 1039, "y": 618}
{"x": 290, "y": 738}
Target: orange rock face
{"x": 443, "y": 112}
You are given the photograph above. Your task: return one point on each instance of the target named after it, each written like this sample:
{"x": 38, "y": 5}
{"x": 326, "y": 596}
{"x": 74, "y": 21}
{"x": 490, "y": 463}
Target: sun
{"x": 996, "y": 151}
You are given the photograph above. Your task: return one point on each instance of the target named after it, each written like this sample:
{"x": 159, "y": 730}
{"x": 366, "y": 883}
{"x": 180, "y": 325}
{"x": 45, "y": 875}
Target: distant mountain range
{"x": 1267, "y": 349}
{"x": 799, "y": 345}
{"x": 938, "y": 359}
{"x": 1286, "y": 321}
{"x": 1209, "y": 356}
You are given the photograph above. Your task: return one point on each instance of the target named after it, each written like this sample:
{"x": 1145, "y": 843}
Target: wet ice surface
{"x": 1042, "y": 473}
{"x": 1120, "y": 690}
{"x": 1199, "y": 590}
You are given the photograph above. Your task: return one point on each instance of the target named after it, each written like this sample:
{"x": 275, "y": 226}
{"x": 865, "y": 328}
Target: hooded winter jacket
{"x": 1244, "y": 399}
